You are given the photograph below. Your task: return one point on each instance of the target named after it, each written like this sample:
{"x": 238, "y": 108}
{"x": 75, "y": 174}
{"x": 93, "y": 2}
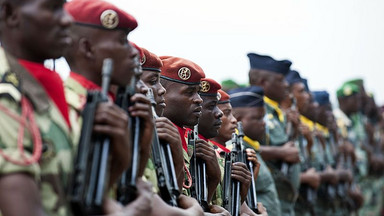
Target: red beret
{"x": 209, "y": 87}
{"x": 100, "y": 14}
{"x": 181, "y": 70}
{"x": 224, "y": 97}
{"x": 139, "y": 49}
{"x": 150, "y": 61}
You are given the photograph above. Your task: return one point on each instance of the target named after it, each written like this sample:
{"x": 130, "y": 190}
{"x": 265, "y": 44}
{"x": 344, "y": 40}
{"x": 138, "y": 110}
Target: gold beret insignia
{"x": 143, "y": 60}
{"x": 184, "y": 73}
{"x": 109, "y": 19}
{"x": 205, "y": 86}
{"x": 347, "y": 91}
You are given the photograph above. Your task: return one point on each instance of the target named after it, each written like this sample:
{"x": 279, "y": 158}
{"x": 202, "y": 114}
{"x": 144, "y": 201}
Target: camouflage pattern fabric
{"x": 55, "y": 164}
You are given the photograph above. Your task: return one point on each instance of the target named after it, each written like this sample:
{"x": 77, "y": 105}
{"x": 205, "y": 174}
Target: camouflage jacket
{"x": 55, "y": 164}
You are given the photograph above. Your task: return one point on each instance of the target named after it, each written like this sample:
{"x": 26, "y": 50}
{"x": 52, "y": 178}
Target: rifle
{"x": 163, "y": 161}
{"x": 231, "y": 193}
{"x": 126, "y": 189}
{"x": 308, "y": 192}
{"x": 291, "y": 134}
{"x": 198, "y": 171}
{"x": 89, "y": 180}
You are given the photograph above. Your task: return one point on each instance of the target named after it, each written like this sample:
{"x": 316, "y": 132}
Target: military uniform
{"x": 52, "y": 169}
{"x": 287, "y": 186}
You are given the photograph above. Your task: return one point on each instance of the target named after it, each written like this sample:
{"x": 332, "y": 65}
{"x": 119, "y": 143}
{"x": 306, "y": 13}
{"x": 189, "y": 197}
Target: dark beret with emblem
{"x": 293, "y": 77}
{"x": 209, "y": 87}
{"x": 347, "y": 89}
{"x": 252, "y": 96}
{"x": 224, "y": 97}
{"x": 268, "y": 63}
{"x": 321, "y": 97}
{"x": 150, "y": 61}
{"x": 100, "y": 14}
{"x": 181, "y": 70}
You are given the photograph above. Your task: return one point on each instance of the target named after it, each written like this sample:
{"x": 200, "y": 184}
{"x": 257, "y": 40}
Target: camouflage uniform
{"x": 55, "y": 164}
{"x": 287, "y": 186}
{"x": 265, "y": 185}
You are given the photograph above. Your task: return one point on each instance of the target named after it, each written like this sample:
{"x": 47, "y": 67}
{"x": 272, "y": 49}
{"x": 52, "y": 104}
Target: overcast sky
{"x": 328, "y": 41}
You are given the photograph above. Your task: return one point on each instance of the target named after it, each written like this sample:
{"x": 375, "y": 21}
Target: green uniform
{"x": 265, "y": 186}
{"x": 55, "y": 164}
{"x": 287, "y": 186}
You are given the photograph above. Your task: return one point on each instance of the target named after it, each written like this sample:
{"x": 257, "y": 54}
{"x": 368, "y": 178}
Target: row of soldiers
{"x": 162, "y": 139}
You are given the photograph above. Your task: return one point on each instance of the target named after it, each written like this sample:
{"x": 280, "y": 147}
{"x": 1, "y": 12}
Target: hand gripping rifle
{"x": 126, "y": 189}
{"x": 310, "y": 195}
{"x": 163, "y": 161}
{"x": 231, "y": 192}
{"x": 89, "y": 180}
{"x": 291, "y": 134}
{"x": 198, "y": 171}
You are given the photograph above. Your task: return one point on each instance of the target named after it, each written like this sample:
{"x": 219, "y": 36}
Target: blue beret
{"x": 305, "y": 82}
{"x": 293, "y": 77}
{"x": 252, "y": 96}
{"x": 268, "y": 63}
{"x": 321, "y": 97}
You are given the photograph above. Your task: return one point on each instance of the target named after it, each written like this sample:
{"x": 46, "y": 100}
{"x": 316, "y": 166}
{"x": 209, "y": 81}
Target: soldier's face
{"x": 276, "y": 87}
{"x": 210, "y": 121}
{"x": 152, "y": 80}
{"x": 183, "y": 104}
{"x": 229, "y": 122}
{"x": 115, "y": 45}
{"x": 302, "y": 96}
{"x": 43, "y": 27}
{"x": 253, "y": 122}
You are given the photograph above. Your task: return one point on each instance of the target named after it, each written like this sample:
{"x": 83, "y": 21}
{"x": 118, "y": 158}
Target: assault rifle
{"x": 163, "y": 161}
{"x": 291, "y": 135}
{"x": 90, "y": 177}
{"x": 198, "y": 171}
{"x": 126, "y": 189}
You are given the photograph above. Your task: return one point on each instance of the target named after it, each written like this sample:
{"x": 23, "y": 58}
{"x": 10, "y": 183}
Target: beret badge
{"x": 347, "y": 91}
{"x": 143, "y": 60}
{"x": 184, "y": 73}
{"x": 109, "y": 19}
{"x": 205, "y": 86}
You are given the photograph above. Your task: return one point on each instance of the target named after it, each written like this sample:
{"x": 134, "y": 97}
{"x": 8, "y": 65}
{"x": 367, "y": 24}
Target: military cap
{"x": 150, "y": 61}
{"x": 359, "y": 82}
{"x": 321, "y": 97}
{"x": 305, "y": 82}
{"x": 268, "y": 63}
{"x": 139, "y": 49}
{"x": 209, "y": 87}
{"x": 224, "y": 97}
{"x": 293, "y": 77}
{"x": 252, "y": 96}
{"x": 347, "y": 89}
{"x": 100, "y": 14}
{"x": 181, "y": 70}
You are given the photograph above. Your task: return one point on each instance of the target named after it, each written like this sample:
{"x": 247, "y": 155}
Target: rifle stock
{"x": 89, "y": 180}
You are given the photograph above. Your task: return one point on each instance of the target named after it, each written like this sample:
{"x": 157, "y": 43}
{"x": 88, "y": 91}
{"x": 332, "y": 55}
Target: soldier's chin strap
{"x": 26, "y": 114}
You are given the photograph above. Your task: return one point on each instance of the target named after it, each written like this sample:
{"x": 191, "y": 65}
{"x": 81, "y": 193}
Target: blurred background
{"x": 328, "y": 41}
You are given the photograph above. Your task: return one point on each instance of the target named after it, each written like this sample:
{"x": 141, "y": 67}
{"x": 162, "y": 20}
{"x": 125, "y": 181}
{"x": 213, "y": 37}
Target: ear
{"x": 9, "y": 14}
{"x": 85, "y": 48}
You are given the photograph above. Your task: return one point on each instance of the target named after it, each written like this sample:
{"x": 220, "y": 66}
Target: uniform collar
{"x": 29, "y": 86}
{"x": 307, "y": 122}
{"x": 275, "y": 106}
{"x": 254, "y": 143}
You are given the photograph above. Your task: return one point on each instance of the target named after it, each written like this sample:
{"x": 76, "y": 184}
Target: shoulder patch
{"x": 10, "y": 91}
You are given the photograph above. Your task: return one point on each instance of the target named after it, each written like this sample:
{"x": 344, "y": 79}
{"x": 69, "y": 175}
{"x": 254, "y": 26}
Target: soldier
{"x": 209, "y": 126}
{"x": 309, "y": 178}
{"x": 151, "y": 66}
{"x": 248, "y": 107}
{"x": 181, "y": 79}
{"x": 280, "y": 153}
{"x": 228, "y": 127}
